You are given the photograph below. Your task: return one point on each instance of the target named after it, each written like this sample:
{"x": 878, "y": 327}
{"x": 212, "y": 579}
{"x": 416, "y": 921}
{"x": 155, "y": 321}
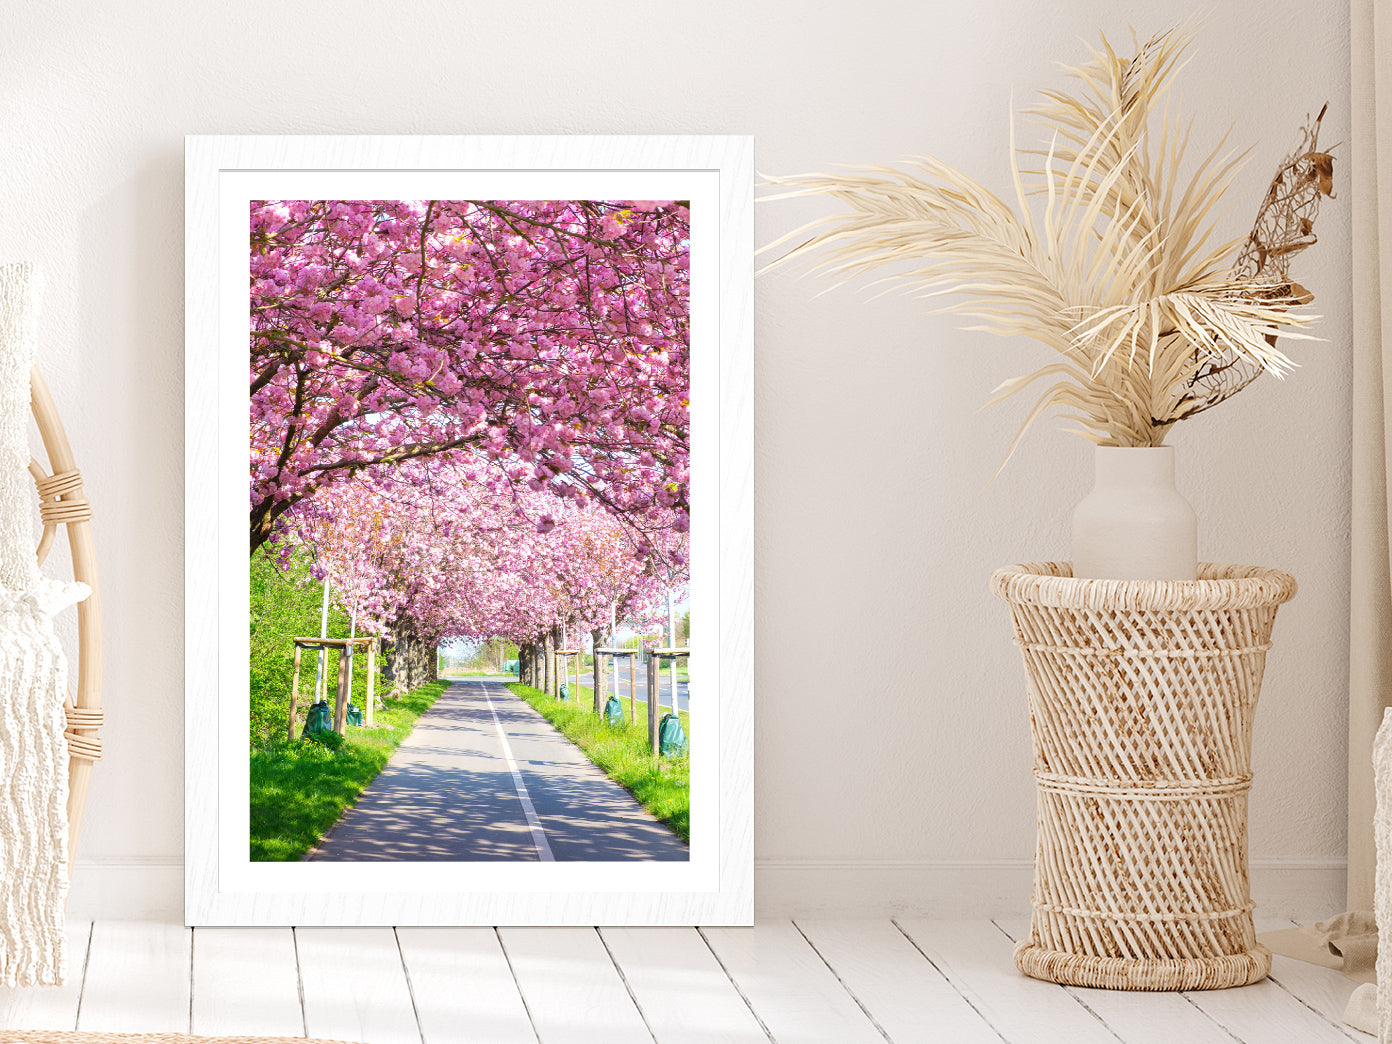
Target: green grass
{"x": 586, "y": 699}
{"x": 286, "y": 603}
{"x": 299, "y": 788}
{"x": 661, "y": 785}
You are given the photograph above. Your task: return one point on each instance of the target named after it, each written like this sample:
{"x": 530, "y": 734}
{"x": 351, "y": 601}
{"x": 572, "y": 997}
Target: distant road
{"x": 664, "y": 687}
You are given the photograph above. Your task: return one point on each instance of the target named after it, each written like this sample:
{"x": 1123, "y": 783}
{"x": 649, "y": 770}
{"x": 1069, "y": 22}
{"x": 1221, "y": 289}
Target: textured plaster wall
{"x": 890, "y": 713}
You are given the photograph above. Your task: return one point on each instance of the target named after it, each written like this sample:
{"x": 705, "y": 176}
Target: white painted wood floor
{"x": 811, "y": 980}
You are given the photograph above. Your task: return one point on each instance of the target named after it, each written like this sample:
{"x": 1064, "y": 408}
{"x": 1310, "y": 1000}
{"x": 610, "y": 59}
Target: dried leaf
{"x": 1323, "y": 165}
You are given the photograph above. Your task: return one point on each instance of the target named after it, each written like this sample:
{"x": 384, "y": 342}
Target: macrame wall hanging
{"x": 47, "y": 736}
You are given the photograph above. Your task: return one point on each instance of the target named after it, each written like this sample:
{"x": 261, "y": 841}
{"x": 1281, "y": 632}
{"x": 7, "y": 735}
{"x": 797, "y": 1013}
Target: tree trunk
{"x": 548, "y": 663}
{"x": 424, "y": 663}
{"x": 597, "y": 637}
{"x": 394, "y": 663}
{"x": 557, "y": 669}
{"x": 411, "y": 662}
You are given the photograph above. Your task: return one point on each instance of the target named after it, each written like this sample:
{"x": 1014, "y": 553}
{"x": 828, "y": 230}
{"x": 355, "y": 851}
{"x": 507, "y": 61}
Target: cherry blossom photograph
{"x": 469, "y": 529}
{"x": 486, "y": 518}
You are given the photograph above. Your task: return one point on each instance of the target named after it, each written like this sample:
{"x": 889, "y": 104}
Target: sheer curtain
{"x": 1370, "y": 661}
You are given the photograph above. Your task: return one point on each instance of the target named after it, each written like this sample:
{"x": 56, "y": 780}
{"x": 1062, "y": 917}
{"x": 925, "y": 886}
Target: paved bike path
{"x": 483, "y": 777}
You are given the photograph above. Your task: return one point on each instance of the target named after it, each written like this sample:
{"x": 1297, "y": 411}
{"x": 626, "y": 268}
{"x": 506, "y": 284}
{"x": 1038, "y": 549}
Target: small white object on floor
{"x": 1362, "y": 1013}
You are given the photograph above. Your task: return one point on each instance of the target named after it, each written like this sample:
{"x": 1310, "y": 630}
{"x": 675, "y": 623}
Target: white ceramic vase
{"x": 1134, "y": 525}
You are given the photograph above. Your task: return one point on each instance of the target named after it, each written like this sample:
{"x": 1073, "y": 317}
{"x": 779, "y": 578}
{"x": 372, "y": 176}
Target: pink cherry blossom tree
{"x": 547, "y": 339}
{"x": 431, "y": 548}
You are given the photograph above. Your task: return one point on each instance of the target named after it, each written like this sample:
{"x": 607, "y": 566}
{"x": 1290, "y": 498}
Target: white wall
{"x": 892, "y": 745}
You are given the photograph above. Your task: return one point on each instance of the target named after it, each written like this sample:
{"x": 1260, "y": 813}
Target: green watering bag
{"x": 614, "y": 712}
{"x": 355, "y": 714}
{"x": 564, "y": 692}
{"x": 671, "y": 737}
{"x": 319, "y": 719}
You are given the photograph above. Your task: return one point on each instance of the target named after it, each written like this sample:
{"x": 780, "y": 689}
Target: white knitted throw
{"x": 1382, "y": 881}
{"x": 33, "y": 681}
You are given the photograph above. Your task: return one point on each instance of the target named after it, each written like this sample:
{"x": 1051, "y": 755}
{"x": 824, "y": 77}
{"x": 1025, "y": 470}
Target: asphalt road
{"x": 483, "y": 777}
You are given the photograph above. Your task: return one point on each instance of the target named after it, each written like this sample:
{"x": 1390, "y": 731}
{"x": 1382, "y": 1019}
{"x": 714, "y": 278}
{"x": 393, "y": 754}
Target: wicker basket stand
{"x": 1141, "y": 696}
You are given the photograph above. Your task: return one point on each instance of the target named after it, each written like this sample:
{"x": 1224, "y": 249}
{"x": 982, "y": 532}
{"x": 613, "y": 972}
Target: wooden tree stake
{"x": 345, "y": 682}
{"x": 598, "y": 682}
{"x": 371, "y": 681}
{"x": 653, "y": 671}
{"x": 294, "y": 697}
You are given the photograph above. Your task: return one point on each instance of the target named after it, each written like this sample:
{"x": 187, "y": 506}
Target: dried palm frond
{"x": 1119, "y": 273}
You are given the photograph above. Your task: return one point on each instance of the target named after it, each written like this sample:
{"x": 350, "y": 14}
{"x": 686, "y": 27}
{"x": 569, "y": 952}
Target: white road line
{"x": 543, "y": 847}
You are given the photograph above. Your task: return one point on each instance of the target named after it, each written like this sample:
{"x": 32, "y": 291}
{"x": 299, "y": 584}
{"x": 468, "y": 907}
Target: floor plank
{"x": 680, "y": 987}
{"x": 907, "y": 997}
{"x": 818, "y": 980}
{"x": 50, "y": 1007}
{"x": 1264, "y": 1013}
{"x": 1268, "y": 1012}
{"x": 976, "y": 957}
{"x": 355, "y": 986}
{"x": 792, "y": 991}
{"x": 572, "y": 988}
{"x": 137, "y": 978}
{"x": 246, "y": 982}
{"x": 1139, "y": 1017}
{"x": 463, "y": 987}
{"x": 1323, "y": 989}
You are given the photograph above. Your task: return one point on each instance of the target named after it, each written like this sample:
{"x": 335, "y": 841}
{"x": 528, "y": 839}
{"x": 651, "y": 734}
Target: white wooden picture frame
{"x": 222, "y": 885}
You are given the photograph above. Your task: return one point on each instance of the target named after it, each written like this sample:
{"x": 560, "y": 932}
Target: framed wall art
{"x": 479, "y": 408}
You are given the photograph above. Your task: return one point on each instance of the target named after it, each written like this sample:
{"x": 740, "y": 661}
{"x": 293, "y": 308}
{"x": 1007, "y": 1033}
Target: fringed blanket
{"x": 1382, "y": 884}
{"x": 33, "y": 682}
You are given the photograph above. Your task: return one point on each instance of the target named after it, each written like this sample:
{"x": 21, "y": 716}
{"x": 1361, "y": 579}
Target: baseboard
{"x": 1307, "y": 890}
{"x": 127, "y": 890}
{"x": 1304, "y": 890}
{"x": 864, "y": 888}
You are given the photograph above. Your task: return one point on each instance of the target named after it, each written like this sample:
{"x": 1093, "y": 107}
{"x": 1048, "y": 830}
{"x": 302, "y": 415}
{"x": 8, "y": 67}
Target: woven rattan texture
{"x": 1141, "y": 698}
